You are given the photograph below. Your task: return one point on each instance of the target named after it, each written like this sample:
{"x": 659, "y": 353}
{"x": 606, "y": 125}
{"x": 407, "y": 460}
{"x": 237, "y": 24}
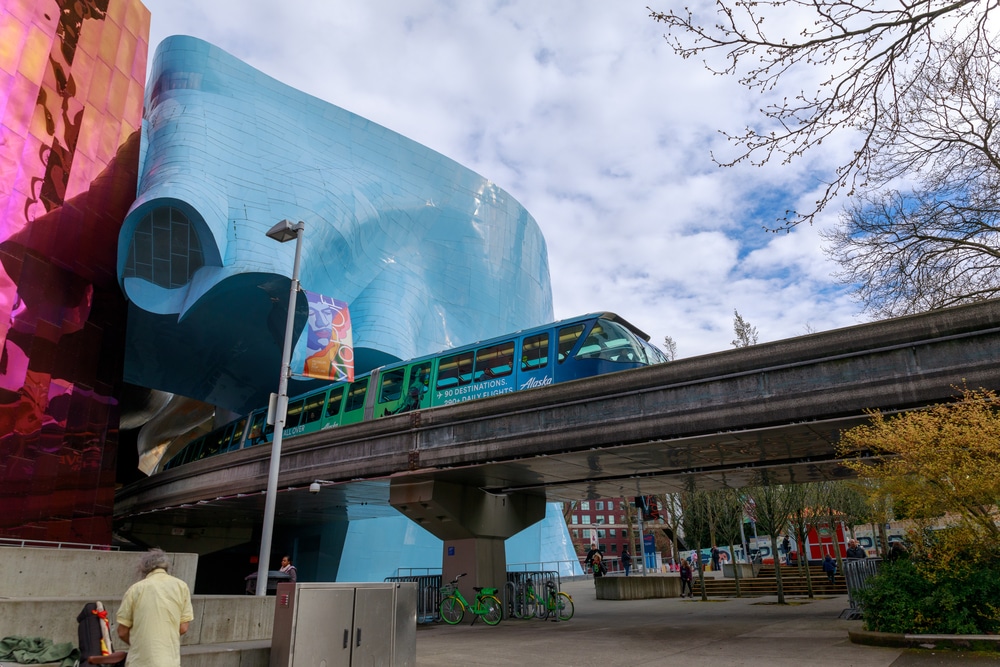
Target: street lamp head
{"x": 286, "y": 230}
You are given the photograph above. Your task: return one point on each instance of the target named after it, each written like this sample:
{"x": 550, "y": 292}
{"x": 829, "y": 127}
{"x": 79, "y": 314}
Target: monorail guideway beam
{"x": 473, "y": 524}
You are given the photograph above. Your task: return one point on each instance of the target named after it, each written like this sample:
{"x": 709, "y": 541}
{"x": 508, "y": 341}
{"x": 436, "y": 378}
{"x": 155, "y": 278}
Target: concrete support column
{"x": 473, "y": 524}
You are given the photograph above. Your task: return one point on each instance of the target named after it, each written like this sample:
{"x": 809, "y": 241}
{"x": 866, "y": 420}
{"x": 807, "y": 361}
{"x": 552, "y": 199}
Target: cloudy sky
{"x": 581, "y": 111}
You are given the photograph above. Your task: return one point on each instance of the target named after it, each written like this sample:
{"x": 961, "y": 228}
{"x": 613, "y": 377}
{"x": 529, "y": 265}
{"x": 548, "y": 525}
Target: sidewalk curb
{"x": 951, "y": 642}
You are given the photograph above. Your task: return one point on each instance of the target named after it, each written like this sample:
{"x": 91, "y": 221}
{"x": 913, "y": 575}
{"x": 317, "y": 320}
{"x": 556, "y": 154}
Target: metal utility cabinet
{"x": 331, "y": 624}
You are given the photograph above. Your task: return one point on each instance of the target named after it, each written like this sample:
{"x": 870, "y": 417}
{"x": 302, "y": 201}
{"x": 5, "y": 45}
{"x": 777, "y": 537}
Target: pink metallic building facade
{"x": 72, "y": 75}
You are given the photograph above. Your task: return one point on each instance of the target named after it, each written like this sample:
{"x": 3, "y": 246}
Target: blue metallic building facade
{"x": 427, "y": 253}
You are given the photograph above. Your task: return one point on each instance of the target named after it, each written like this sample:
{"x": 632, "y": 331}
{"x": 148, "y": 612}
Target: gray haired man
{"x": 154, "y": 613}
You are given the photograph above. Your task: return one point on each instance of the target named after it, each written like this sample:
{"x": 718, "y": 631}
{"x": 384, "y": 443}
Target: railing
{"x": 428, "y": 593}
{"x": 565, "y": 568}
{"x": 858, "y": 573}
{"x": 43, "y": 544}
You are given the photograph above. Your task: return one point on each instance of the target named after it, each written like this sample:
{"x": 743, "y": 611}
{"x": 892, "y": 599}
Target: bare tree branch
{"x": 878, "y": 58}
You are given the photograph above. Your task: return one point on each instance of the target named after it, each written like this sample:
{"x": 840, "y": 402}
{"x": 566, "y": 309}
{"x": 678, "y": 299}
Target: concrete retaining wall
{"x": 217, "y": 618}
{"x": 43, "y": 590}
{"x": 75, "y": 573}
{"x": 637, "y": 588}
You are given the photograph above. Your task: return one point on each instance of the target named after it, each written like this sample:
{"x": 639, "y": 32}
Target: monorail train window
{"x": 535, "y": 352}
{"x": 455, "y": 370}
{"x": 294, "y": 413}
{"x": 392, "y": 385}
{"x": 356, "y": 395}
{"x": 191, "y": 451}
{"x": 256, "y": 434}
{"x": 313, "y": 408}
{"x": 567, "y": 339}
{"x": 653, "y": 353}
{"x": 237, "y": 438}
{"x": 611, "y": 341}
{"x": 216, "y": 441}
{"x": 336, "y": 398}
{"x": 495, "y": 361}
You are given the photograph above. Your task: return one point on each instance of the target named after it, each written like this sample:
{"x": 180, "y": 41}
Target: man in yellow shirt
{"x": 154, "y": 613}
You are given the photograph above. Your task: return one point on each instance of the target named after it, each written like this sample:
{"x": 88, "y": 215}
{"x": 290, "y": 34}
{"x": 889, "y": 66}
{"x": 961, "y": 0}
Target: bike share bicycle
{"x": 555, "y": 603}
{"x": 454, "y": 604}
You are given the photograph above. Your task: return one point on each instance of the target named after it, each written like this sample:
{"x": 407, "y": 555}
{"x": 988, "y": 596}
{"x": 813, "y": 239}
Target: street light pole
{"x": 282, "y": 232}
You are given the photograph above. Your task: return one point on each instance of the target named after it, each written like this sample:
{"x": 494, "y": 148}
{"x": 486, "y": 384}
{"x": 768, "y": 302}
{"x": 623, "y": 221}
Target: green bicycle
{"x": 454, "y": 604}
{"x": 555, "y": 603}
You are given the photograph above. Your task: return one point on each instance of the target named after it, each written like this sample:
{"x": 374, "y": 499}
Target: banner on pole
{"x": 326, "y": 348}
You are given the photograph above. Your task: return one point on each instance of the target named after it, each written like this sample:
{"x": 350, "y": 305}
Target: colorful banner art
{"x": 326, "y": 348}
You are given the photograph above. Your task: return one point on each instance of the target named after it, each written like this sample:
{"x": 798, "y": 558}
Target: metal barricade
{"x": 428, "y": 595}
{"x": 858, "y": 573}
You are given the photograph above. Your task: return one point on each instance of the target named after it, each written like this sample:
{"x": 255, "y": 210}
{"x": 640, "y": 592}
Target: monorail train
{"x": 570, "y": 349}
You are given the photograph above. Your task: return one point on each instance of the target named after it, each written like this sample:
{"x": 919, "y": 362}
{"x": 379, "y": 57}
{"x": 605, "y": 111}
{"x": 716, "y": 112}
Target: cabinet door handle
{"x": 347, "y": 636}
{"x": 359, "y": 637}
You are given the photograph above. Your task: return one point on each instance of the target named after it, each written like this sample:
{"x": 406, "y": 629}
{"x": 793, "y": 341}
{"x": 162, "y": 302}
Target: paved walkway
{"x": 691, "y": 633}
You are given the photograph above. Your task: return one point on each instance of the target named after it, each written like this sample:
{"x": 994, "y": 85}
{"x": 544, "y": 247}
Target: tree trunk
{"x": 777, "y": 569}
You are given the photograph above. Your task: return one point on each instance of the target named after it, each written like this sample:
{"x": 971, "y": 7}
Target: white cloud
{"x": 580, "y": 110}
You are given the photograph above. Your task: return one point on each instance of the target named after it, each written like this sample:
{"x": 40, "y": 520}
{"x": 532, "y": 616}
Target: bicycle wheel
{"x": 452, "y": 610}
{"x": 564, "y": 606}
{"x": 494, "y": 610}
{"x": 537, "y": 608}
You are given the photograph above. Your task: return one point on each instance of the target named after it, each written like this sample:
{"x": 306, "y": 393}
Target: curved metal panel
{"x": 427, "y": 253}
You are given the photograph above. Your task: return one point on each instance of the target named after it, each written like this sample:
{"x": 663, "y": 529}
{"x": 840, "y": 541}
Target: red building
{"x": 603, "y": 523}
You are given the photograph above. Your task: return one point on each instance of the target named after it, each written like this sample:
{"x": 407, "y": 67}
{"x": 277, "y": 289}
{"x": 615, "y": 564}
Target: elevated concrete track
{"x": 706, "y": 421}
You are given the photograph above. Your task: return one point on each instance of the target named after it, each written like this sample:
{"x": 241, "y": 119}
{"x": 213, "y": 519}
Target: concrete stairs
{"x": 793, "y": 582}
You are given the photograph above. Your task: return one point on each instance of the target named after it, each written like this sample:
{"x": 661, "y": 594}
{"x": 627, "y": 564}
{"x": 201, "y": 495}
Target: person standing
{"x": 154, "y": 613}
{"x": 715, "y": 558}
{"x": 289, "y": 569}
{"x": 855, "y": 550}
{"x": 686, "y": 576}
{"x": 786, "y": 548}
{"x": 626, "y": 560}
{"x": 597, "y": 565}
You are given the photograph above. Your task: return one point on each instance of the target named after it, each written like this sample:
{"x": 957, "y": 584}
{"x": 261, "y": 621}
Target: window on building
{"x": 576, "y": 533}
{"x": 600, "y": 519}
{"x": 611, "y": 518}
{"x": 600, "y": 535}
{"x": 575, "y": 519}
{"x": 585, "y": 504}
{"x": 614, "y": 548}
{"x": 599, "y": 505}
{"x": 586, "y": 519}
{"x": 165, "y": 249}
{"x": 611, "y": 532}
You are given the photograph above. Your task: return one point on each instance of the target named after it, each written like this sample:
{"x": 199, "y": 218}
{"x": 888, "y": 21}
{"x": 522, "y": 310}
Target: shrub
{"x": 934, "y": 593}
